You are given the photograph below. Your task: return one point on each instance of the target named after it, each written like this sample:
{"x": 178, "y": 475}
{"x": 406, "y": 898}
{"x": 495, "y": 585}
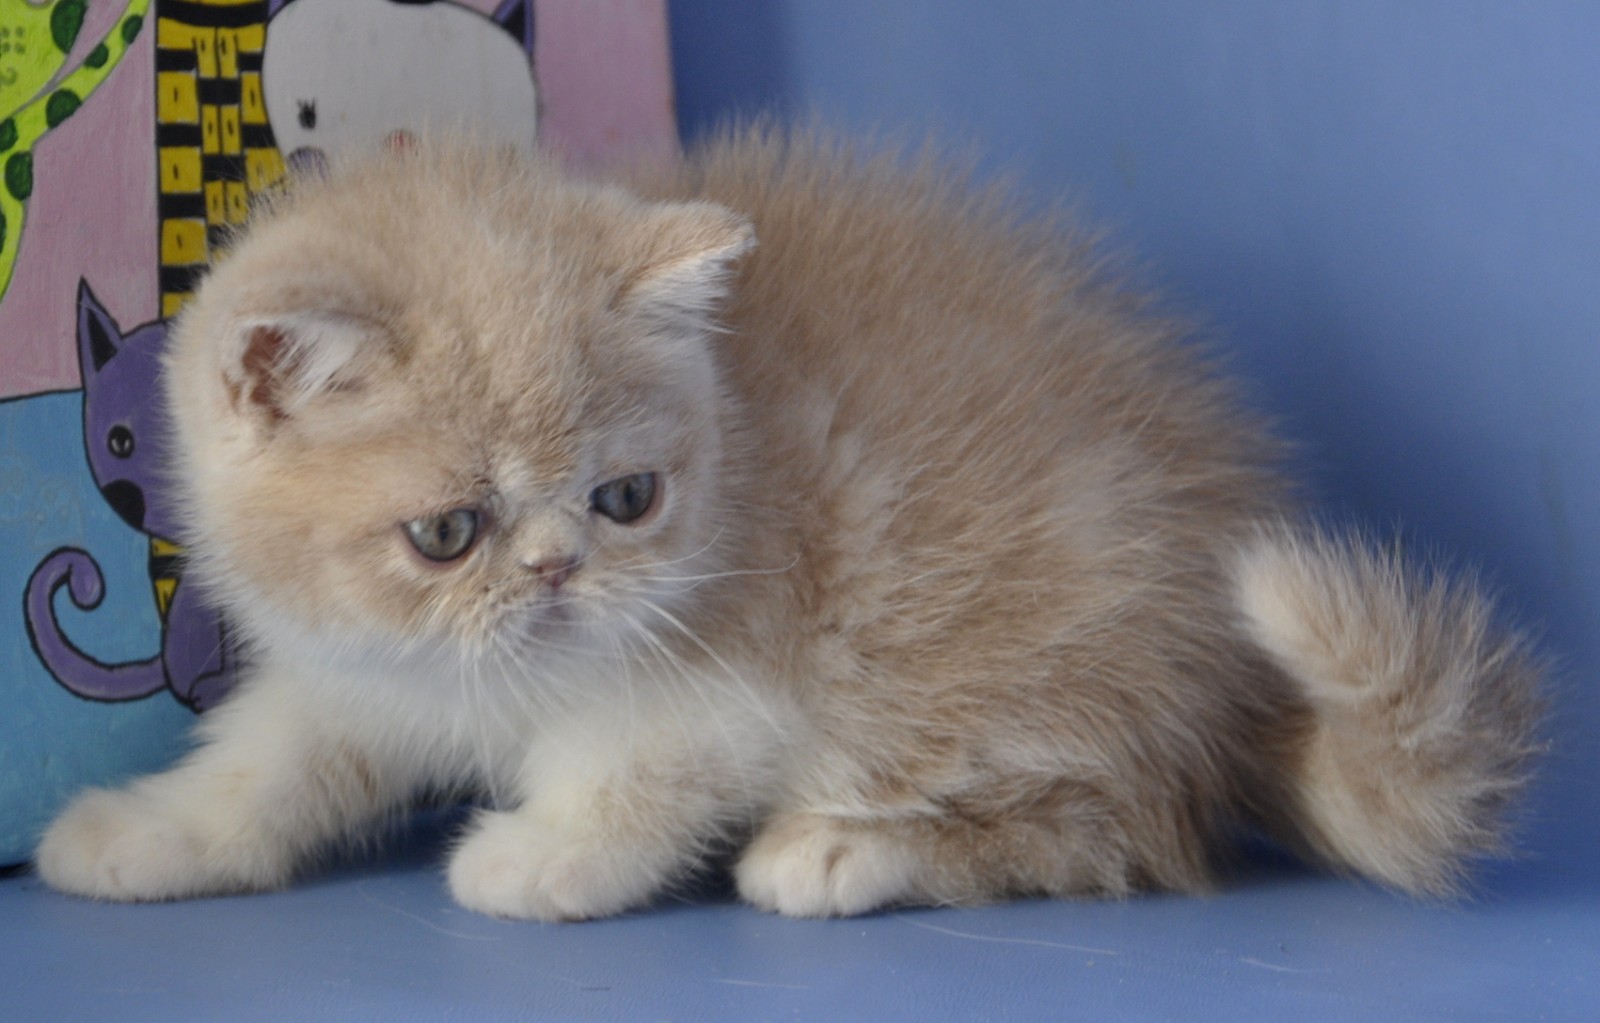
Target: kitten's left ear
{"x": 689, "y": 249}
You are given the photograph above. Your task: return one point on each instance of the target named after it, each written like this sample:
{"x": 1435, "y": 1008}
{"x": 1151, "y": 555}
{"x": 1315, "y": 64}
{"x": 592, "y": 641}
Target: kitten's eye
{"x": 307, "y": 113}
{"x": 120, "y": 441}
{"x": 444, "y": 537}
{"x": 624, "y": 500}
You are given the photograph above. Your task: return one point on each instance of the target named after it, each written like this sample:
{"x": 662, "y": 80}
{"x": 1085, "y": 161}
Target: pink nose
{"x": 399, "y": 140}
{"x": 555, "y": 570}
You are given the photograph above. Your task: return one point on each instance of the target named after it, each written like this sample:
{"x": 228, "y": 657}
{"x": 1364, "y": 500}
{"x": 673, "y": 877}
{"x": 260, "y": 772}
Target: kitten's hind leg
{"x": 815, "y": 865}
{"x": 269, "y": 787}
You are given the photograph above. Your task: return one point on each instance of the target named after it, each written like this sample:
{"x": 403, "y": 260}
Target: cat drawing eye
{"x": 307, "y": 114}
{"x": 625, "y": 499}
{"x": 119, "y": 441}
{"x": 446, "y": 536}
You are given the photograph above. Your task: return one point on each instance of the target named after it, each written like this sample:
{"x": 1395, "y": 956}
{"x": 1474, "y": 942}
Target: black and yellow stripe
{"x": 214, "y": 147}
{"x": 164, "y": 572}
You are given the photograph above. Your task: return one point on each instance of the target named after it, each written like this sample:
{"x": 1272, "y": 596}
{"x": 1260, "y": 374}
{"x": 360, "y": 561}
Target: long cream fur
{"x": 966, "y": 577}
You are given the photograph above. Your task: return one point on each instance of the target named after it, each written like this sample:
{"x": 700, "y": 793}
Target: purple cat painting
{"x": 123, "y": 431}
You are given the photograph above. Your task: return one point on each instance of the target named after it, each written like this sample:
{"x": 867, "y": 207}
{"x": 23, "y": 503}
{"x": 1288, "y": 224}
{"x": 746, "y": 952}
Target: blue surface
{"x": 388, "y": 944}
{"x": 1389, "y": 216}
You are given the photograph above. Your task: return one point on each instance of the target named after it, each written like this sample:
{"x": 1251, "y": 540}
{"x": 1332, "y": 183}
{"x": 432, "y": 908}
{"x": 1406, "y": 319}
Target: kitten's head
{"x": 451, "y": 400}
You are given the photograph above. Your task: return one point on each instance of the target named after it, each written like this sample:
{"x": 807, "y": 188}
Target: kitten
{"x": 901, "y": 554}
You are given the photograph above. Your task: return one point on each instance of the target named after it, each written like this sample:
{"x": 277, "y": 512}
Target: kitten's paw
{"x": 121, "y": 846}
{"x": 809, "y": 865}
{"x": 512, "y": 867}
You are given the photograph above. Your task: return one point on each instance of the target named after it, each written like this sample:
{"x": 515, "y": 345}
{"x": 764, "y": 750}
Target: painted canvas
{"x": 132, "y": 134}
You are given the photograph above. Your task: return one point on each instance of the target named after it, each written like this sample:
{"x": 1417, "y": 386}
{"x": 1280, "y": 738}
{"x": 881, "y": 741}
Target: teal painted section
{"x": 52, "y": 742}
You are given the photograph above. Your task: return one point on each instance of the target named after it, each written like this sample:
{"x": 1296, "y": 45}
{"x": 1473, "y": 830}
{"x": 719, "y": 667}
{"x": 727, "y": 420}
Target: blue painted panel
{"x": 52, "y": 742}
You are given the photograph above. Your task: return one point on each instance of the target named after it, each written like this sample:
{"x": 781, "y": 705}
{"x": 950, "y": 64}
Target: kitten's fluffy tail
{"x": 1422, "y": 712}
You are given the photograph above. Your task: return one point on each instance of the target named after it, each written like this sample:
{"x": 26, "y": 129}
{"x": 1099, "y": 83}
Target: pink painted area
{"x": 603, "y": 73}
{"x": 92, "y": 215}
{"x": 605, "y": 77}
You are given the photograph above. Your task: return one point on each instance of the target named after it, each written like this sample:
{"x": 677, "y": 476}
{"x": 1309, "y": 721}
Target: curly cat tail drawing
{"x": 79, "y": 673}
{"x": 1423, "y": 711}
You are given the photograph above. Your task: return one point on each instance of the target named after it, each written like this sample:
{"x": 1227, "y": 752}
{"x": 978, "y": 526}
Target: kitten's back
{"x": 1125, "y": 505}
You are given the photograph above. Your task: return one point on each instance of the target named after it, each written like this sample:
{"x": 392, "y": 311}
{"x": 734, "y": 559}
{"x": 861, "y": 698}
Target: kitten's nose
{"x": 555, "y": 570}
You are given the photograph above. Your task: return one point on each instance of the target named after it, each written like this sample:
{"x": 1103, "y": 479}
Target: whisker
{"x": 690, "y": 679}
{"x": 478, "y": 704}
{"x": 724, "y": 575}
{"x": 748, "y": 693}
{"x": 634, "y": 562}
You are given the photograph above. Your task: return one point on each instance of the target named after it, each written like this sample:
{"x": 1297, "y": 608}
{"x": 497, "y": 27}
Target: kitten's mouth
{"x": 548, "y": 633}
{"x": 545, "y": 616}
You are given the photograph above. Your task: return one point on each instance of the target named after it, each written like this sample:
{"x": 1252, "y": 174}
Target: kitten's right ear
{"x": 686, "y": 265}
{"x": 274, "y": 366}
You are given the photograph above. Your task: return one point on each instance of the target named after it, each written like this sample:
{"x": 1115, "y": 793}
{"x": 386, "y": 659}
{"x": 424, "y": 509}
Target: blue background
{"x": 1386, "y": 213}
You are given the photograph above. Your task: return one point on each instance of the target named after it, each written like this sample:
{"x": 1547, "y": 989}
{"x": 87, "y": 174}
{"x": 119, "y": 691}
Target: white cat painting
{"x": 344, "y": 75}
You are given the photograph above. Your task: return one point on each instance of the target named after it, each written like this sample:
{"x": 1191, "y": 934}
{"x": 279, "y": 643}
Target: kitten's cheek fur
{"x": 123, "y": 847}
{"x": 809, "y": 865}
{"x": 512, "y": 867}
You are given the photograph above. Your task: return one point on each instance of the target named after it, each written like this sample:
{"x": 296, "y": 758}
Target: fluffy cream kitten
{"x": 778, "y": 503}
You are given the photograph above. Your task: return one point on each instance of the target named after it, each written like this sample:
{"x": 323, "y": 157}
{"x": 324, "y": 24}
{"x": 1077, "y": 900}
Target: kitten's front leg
{"x": 610, "y": 821}
{"x": 525, "y": 866}
{"x": 269, "y": 787}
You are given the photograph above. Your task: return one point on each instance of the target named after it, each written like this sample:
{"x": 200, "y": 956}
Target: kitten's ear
{"x": 274, "y": 366}
{"x": 689, "y": 249}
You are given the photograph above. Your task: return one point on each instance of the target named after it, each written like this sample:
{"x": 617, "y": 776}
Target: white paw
{"x": 808, "y": 865}
{"x": 121, "y": 846}
{"x": 512, "y": 867}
